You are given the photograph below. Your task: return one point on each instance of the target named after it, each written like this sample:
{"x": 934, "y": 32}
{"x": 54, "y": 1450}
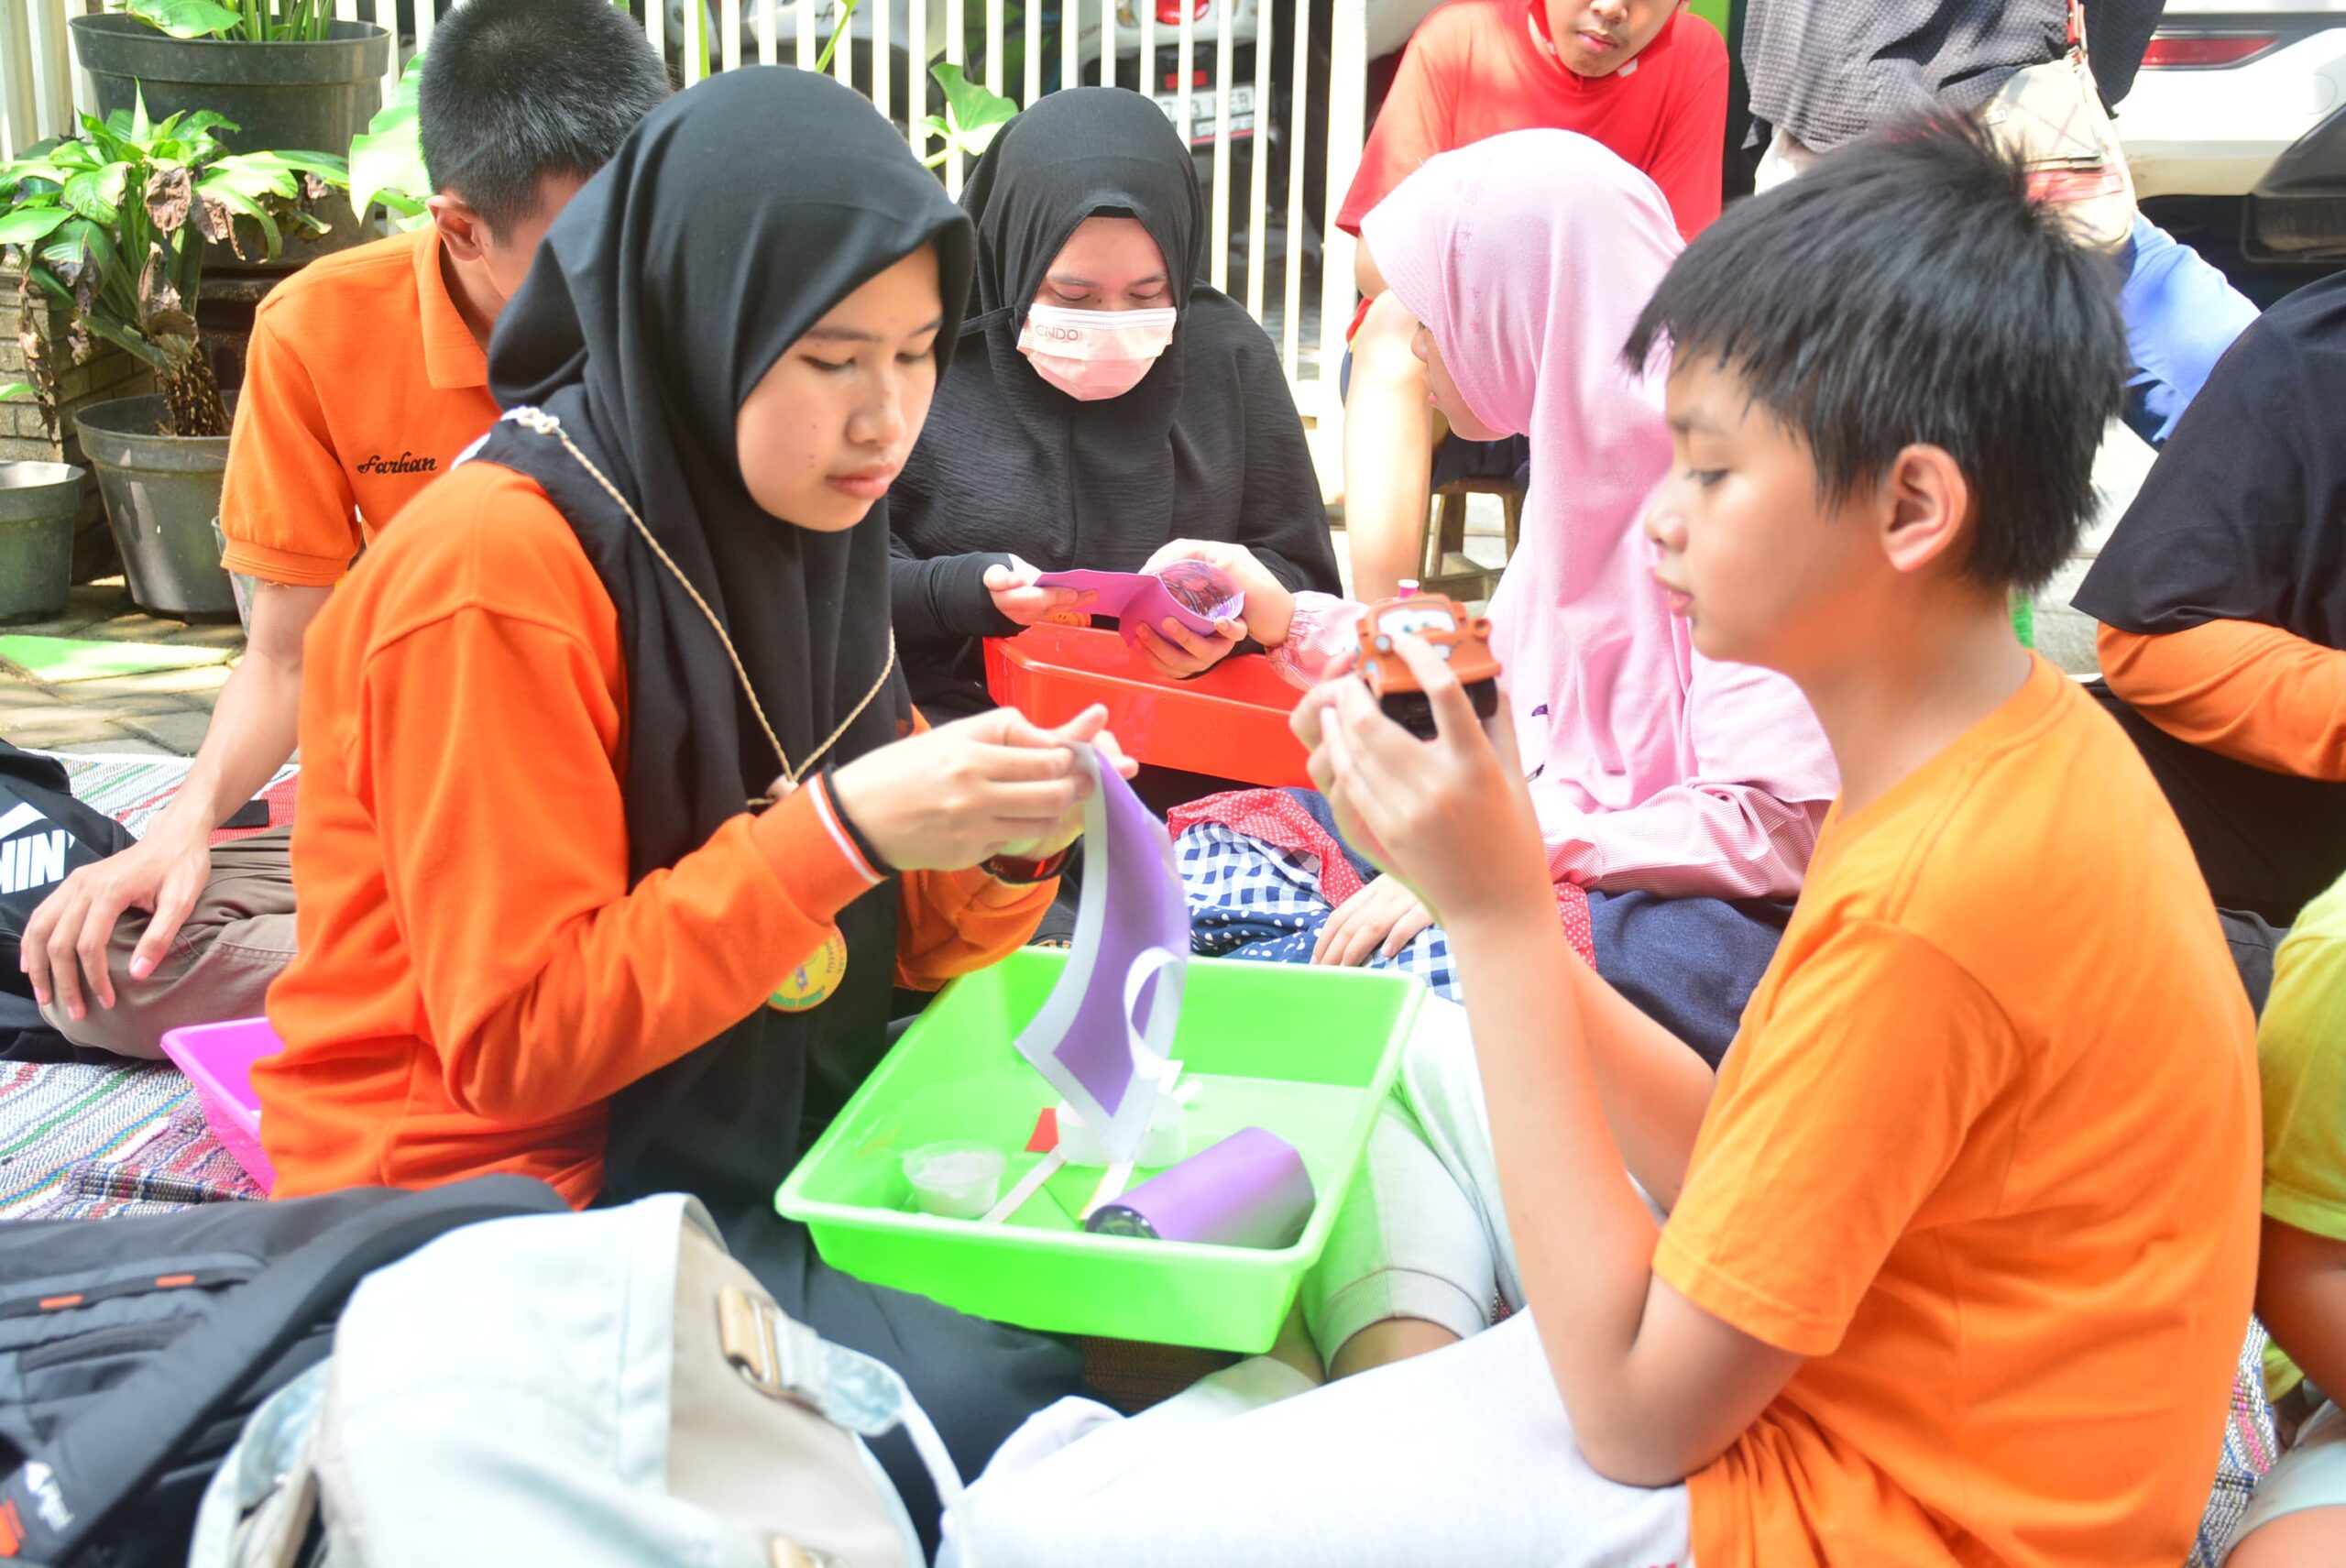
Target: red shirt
{"x": 1475, "y": 69}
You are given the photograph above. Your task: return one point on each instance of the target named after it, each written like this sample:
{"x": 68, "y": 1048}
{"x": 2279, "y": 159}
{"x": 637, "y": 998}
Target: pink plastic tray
{"x": 219, "y": 1058}
{"x": 1230, "y": 723}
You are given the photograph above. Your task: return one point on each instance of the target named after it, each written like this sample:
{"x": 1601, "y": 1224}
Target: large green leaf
{"x": 185, "y": 18}
{"x": 253, "y": 175}
{"x": 97, "y": 193}
{"x": 386, "y": 158}
{"x": 27, "y": 225}
{"x": 974, "y": 116}
{"x": 237, "y": 201}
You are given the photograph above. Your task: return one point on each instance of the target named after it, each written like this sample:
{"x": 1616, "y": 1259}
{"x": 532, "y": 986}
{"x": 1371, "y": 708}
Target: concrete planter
{"x": 161, "y": 493}
{"x": 39, "y": 505}
{"x": 284, "y": 97}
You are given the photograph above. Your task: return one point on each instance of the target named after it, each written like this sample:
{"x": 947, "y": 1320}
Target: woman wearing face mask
{"x": 617, "y": 826}
{"x": 1101, "y": 402}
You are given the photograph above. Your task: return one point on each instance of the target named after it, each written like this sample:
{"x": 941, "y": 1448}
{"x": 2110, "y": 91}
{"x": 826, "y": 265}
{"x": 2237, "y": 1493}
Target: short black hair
{"x": 516, "y": 89}
{"x": 1908, "y": 289}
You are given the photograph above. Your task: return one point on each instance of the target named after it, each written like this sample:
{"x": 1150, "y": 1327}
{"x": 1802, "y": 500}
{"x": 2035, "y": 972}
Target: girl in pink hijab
{"x": 1683, "y": 795}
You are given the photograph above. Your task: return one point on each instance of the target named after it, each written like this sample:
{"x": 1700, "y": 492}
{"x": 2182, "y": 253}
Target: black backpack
{"x": 132, "y": 1350}
{"x": 46, "y": 835}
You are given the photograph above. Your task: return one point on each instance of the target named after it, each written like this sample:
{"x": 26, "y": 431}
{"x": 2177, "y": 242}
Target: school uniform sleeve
{"x": 286, "y": 504}
{"x": 2301, "y": 1059}
{"x": 1689, "y": 162}
{"x": 1743, "y": 822}
{"x": 2256, "y": 693}
{"x": 1827, "y": 1136}
{"x": 548, "y": 985}
{"x": 1414, "y": 123}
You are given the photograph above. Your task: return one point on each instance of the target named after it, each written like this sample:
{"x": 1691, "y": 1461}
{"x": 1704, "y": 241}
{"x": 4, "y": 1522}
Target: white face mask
{"x": 1092, "y": 355}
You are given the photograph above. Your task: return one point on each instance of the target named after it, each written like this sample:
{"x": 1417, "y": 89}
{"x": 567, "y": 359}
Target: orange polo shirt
{"x": 1986, "y": 1153}
{"x": 361, "y": 384}
{"x": 475, "y": 979}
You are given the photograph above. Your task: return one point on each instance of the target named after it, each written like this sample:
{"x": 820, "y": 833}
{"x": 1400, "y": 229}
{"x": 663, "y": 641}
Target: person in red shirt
{"x": 1635, "y": 75}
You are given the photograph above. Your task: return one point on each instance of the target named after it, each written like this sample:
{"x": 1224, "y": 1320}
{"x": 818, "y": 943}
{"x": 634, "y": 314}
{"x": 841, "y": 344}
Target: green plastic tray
{"x": 1306, "y": 1053}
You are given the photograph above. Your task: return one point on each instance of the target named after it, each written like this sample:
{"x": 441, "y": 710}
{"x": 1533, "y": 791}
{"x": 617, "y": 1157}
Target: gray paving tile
{"x": 180, "y": 732}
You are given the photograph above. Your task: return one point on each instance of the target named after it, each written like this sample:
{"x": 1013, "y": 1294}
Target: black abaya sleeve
{"x": 943, "y": 600}
{"x": 1285, "y": 523}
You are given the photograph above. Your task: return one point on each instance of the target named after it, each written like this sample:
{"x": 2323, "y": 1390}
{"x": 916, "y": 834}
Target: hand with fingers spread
{"x": 1449, "y": 817}
{"x": 1017, "y": 597}
{"x": 64, "y": 953}
{"x": 1378, "y": 921}
{"x": 1182, "y": 652}
{"x": 1269, "y": 606}
{"x": 989, "y": 785}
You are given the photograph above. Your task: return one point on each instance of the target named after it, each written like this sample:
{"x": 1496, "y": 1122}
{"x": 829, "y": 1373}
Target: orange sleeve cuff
{"x": 2256, "y": 693}
{"x": 284, "y": 566}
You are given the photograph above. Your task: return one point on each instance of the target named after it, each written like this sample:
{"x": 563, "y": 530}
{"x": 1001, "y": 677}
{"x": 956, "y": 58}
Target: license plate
{"x": 1203, "y": 108}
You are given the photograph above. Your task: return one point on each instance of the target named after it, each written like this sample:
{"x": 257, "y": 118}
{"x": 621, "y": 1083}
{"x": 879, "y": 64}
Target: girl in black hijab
{"x": 618, "y": 826}
{"x": 1043, "y": 446}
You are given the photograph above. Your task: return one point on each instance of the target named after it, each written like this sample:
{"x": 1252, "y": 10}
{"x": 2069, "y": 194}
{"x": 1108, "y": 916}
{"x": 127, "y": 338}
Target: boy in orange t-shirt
{"x": 1961, "y": 1244}
{"x": 366, "y": 375}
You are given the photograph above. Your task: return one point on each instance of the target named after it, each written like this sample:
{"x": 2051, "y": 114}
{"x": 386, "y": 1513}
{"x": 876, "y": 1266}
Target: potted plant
{"x": 280, "y": 73}
{"x": 110, "y": 228}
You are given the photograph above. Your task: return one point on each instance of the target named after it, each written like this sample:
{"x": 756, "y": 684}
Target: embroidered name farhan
{"x": 405, "y": 462}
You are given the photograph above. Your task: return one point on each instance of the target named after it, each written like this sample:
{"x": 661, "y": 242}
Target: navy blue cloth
{"x": 1689, "y": 964}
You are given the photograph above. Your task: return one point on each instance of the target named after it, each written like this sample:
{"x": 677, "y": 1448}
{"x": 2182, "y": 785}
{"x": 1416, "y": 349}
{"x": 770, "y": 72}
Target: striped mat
{"x": 80, "y": 1142}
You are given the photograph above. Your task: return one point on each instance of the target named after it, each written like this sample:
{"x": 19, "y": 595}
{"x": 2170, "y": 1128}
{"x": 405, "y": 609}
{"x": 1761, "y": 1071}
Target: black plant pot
{"x": 161, "y": 493}
{"x": 284, "y": 97}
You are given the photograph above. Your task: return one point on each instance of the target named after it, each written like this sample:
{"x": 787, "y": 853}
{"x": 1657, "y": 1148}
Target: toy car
{"x": 1463, "y": 639}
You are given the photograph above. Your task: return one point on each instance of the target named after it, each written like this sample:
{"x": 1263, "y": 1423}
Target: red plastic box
{"x": 1230, "y": 723}
{"x": 218, "y": 1057}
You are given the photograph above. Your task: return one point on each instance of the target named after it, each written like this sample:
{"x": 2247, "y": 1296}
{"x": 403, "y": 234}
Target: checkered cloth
{"x": 1263, "y": 873}
{"x": 2250, "y": 1448}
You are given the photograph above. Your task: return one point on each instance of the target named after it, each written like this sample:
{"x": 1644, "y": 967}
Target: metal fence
{"x": 1270, "y": 91}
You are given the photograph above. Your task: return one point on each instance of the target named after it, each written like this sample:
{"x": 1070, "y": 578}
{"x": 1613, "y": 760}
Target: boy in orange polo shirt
{"x": 1961, "y": 1244}
{"x": 1641, "y": 77}
{"x": 368, "y": 374}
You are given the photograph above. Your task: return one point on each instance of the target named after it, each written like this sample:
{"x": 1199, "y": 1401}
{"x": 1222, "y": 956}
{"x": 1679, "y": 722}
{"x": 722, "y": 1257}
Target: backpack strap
{"x": 62, "y": 1497}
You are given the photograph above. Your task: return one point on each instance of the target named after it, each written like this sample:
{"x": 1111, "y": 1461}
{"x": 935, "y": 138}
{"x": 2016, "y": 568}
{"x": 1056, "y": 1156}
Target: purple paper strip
{"x": 1116, "y": 1006}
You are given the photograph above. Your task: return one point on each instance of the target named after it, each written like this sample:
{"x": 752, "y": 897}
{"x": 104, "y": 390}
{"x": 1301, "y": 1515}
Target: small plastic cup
{"x": 955, "y": 1180}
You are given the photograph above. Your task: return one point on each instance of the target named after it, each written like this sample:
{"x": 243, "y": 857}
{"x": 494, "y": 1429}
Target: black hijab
{"x": 2244, "y": 515}
{"x": 730, "y": 221}
{"x": 1207, "y": 446}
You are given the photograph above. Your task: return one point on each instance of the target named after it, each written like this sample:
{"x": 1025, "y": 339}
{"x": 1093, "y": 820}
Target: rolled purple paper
{"x": 1250, "y": 1190}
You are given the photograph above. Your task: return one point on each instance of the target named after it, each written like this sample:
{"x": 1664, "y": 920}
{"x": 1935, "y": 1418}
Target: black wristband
{"x": 863, "y": 847}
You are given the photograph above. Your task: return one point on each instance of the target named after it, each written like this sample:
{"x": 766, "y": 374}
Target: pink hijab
{"x": 1528, "y": 255}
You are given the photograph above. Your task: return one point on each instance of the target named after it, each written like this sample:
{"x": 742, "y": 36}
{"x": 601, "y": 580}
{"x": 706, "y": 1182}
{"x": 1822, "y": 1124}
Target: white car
{"x": 2244, "y": 101}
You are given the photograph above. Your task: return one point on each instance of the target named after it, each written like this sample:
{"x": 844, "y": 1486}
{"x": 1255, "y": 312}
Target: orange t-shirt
{"x": 1986, "y": 1151}
{"x": 2258, "y": 693}
{"x": 361, "y": 383}
{"x": 474, "y": 978}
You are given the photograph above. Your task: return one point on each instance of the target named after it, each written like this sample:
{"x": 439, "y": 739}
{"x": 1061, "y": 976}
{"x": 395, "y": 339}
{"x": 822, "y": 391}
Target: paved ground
{"x": 163, "y": 712}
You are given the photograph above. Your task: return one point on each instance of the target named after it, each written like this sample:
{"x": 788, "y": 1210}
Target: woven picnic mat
{"x": 85, "y": 1143}
{"x": 132, "y": 789}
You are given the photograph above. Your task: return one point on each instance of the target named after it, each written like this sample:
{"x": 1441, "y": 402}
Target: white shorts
{"x": 2312, "y": 1474}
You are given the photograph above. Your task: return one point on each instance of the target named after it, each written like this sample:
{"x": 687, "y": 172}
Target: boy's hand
{"x": 1017, "y": 597}
{"x": 65, "y": 943}
{"x": 1449, "y": 817}
{"x": 1182, "y": 652}
{"x": 1269, "y": 606}
{"x": 1379, "y": 920}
